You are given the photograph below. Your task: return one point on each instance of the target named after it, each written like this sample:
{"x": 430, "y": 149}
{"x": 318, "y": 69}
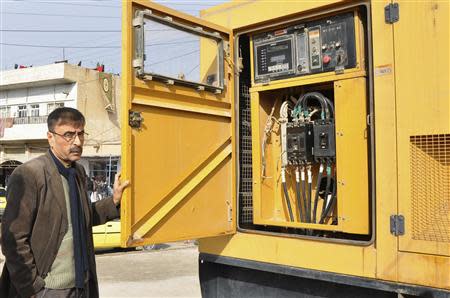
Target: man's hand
{"x": 118, "y": 189}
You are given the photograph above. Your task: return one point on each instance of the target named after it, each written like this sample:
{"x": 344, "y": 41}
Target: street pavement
{"x": 168, "y": 270}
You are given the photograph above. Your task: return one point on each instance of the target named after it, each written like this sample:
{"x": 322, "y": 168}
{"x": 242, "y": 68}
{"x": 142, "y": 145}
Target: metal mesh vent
{"x": 245, "y": 158}
{"x": 430, "y": 187}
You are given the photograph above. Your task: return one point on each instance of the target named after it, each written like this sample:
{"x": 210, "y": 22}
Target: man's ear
{"x": 51, "y": 139}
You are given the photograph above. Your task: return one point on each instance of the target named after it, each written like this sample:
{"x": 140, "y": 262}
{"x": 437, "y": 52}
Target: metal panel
{"x": 385, "y": 141}
{"x": 423, "y": 113}
{"x": 351, "y": 155}
{"x": 178, "y": 157}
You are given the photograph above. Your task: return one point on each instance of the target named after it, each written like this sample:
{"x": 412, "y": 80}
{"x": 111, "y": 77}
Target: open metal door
{"x": 177, "y": 127}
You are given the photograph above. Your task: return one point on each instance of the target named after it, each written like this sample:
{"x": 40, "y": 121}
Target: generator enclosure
{"x": 305, "y": 145}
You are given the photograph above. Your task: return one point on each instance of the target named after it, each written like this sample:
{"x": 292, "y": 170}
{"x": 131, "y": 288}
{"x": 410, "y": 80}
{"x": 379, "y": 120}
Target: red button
{"x": 326, "y": 59}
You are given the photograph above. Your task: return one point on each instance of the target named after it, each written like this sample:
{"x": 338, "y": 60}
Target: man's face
{"x": 66, "y": 141}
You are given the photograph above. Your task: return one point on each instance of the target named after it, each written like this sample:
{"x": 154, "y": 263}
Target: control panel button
{"x": 326, "y": 59}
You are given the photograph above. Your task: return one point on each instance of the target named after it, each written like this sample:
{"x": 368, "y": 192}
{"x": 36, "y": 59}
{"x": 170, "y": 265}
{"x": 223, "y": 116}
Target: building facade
{"x": 28, "y": 95}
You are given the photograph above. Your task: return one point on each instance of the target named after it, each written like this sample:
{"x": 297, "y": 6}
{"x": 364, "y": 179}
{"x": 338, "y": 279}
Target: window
{"x": 34, "y": 110}
{"x": 22, "y": 111}
{"x": 5, "y": 112}
{"x": 54, "y": 105}
{"x": 173, "y": 53}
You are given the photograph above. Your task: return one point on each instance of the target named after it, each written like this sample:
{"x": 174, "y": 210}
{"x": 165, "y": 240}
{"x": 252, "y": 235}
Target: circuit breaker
{"x": 300, "y": 143}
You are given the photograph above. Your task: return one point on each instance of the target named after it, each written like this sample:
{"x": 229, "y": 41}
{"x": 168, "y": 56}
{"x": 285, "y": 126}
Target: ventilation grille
{"x": 245, "y": 158}
{"x": 430, "y": 187}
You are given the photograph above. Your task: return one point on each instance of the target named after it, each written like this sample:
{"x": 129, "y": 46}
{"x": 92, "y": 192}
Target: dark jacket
{"x": 35, "y": 222}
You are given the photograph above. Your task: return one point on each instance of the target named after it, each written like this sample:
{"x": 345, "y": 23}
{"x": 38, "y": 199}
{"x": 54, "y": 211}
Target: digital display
{"x": 275, "y": 57}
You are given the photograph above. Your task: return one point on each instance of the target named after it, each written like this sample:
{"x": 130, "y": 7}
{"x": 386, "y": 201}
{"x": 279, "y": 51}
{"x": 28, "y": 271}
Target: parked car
{"x": 107, "y": 235}
{"x": 2, "y": 201}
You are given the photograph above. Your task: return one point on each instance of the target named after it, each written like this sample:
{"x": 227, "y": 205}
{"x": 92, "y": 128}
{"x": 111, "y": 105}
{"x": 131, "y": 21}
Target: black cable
{"x": 327, "y": 190}
{"x": 316, "y": 95}
{"x": 316, "y": 197}
{"x": 331, "y": 204}
{"x": 308, "y": 199}
{"x": 288, "y": 202}
{"x": 299, "y": 204}
{"x": 304, "y": 97}
{"x": 304, "y": 203}
{"x": 330, "y": 104}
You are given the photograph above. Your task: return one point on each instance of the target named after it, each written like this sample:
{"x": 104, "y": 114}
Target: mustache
{"x": 76, "y": 149}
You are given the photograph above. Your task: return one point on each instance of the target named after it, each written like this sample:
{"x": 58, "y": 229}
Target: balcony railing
{"x": 30, "y": 120}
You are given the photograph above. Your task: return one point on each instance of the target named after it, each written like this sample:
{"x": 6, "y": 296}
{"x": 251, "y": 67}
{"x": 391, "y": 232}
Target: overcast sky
{"x": 28, "y": 31}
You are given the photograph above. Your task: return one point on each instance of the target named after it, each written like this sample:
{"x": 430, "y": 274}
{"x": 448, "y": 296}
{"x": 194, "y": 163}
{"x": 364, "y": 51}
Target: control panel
{"x": 275, "y": 56}
{"x": 312, "y": 47}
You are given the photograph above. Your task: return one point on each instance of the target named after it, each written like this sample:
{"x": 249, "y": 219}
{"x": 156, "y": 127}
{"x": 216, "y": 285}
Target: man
{"x": 47, "y": 225}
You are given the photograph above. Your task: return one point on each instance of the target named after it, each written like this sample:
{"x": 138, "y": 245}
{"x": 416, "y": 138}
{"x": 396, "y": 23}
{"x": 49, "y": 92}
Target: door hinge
{"x": 226, "y": 49}
{"x": 229, "y": 211}
{"x": 391, "y": 13}
{"x": 135, "y": 119}
{"x": 397, "y": 225}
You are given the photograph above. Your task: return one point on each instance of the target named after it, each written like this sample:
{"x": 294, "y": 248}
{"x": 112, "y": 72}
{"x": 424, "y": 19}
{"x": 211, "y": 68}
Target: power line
{"x": 171, "y": 58}
{"x": 74, "y": 4}
{"x": 58, "y": 31}
{"x": 59, "y": 47}
{"x": 195, "y": 67}
{"x": 75, "y": 31}
{"x": 189, "y": 3}
{"x": 199, "y": 3}
{"x": 60, "y": 15}
{"x": 82, "y": 50}
{"x": 90, "y": 47}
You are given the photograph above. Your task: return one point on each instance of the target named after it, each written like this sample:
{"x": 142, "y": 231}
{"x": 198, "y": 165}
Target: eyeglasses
{"x": 70, "y": 136}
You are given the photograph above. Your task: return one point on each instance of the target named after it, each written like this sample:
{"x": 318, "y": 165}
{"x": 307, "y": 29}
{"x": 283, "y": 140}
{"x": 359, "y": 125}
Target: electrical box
{"x": 298, "y": 176}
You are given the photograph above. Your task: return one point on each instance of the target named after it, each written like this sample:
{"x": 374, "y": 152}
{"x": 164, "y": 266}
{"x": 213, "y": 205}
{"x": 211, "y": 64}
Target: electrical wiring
{"x": 330, "y": 205}
{"x": 309, "y": 194}
{"x": 297, "y": 194}
{"x": 327, "y": 194}
{"x": 304, "y": 198}
{"x": 286, "y": 194}
{"x": 302, "y": 103}
{"x": 267, "y": 132}
{"x": 316, "y": 196}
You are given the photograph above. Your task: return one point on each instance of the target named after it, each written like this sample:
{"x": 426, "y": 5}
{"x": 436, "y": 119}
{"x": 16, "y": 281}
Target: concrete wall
{"x": 102, "y": 120}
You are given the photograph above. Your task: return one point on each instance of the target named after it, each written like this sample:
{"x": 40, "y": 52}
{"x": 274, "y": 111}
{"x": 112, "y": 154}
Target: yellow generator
{"x": 306, "y": 144}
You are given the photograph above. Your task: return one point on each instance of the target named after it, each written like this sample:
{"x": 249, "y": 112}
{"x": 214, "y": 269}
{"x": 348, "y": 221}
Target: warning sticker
{"x": 383, "y": 70}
